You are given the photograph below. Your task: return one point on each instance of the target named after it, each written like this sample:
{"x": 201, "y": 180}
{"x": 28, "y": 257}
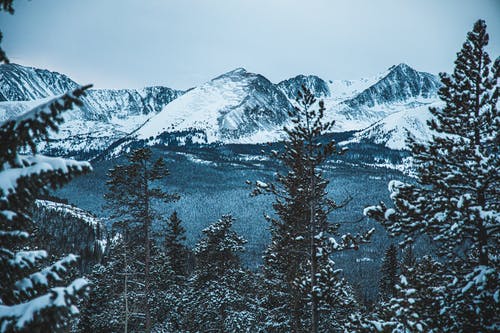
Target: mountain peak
{"x": 237, "y": 71}
{"x": 21, "y": 83}
{"x": 292, "y": 86}
{"x": 400, "y": 84}
{"x": 234, "y": 74}
{"x": 401, "y": 67}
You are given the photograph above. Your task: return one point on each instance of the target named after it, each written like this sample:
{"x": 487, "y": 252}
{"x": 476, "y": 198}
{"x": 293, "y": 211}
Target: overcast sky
{"x": 182, "y": 43}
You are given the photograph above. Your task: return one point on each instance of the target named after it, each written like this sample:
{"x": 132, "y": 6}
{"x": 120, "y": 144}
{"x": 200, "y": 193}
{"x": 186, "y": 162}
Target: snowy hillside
{"x": 359, "y": 104}
{"x": 393, "y": 130}
{"x": 235, "y": 107}
{"x": 66, "y": 228}
{"x": 20, "y": 83}
{"x": 401, "y": 84}
{"x": 106, "y": 115}
{"x": 243, "y": 107}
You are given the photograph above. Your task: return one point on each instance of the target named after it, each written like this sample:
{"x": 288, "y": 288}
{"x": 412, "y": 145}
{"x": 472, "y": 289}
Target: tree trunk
{"x": 482, "y": 235}
{"x": 125, "y": 290}
{"x": 147, "y": 259}
{"x": 312, "y": 229}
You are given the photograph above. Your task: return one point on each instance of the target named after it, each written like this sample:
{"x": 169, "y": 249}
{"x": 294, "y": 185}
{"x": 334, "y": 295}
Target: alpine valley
{"x": 216, "y": 136}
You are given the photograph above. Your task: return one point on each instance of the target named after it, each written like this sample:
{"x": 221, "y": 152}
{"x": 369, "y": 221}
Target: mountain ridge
{"x": 234, "y": 107}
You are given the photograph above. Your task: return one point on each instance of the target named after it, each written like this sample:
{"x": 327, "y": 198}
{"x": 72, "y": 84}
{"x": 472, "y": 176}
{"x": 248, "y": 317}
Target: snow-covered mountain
{"x": 20, "y": 83}
{"x": 106, "y": 115}
{"x": 243, "y": 107}
{"x": 393, "y": 130}
{"x": 358, "y": 104}
{"x": 401, "y": 84}
{"x": 236, "y": 107}
{"x": 292, "y": 86}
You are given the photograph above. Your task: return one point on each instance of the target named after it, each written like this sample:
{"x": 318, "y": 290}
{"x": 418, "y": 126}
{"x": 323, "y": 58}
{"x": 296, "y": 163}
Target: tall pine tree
{"x": 456, "y": 201}
{"x": 177, "y": 252}
{"x": 28, "y": 300}
{"x": 219, "y": 296}
{"x": 389, "y": 273}
{"x": 299, "y": 274}
{"x": 132, "y": 190}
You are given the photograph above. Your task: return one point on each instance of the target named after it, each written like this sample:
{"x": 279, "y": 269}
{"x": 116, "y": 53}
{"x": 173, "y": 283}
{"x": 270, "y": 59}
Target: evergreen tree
{"x": 301, "y": 242}
{"x": 132, "y": 189}
{"x": 415, "y": 305}
{"x": 165, "y": 288}
{"x": 28, "y": 300}
{"x": 219, "y": 295}
{"x": 456, "y": 201}
{"x": 408, "y": 260}
{"x": 389, "y": 273}
{"x": 217, "y": 253}
{"x": 103, "y": 311}
{"x": 5, "y": 5}
{"x": 177, "y": 252}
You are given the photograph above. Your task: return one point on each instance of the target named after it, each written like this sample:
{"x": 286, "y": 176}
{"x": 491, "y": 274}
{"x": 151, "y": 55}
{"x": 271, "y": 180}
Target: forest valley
{"x": 146, "y": 280}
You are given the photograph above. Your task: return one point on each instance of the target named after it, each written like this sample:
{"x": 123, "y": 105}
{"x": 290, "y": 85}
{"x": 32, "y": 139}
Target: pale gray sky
{"x": 182, "y": 43}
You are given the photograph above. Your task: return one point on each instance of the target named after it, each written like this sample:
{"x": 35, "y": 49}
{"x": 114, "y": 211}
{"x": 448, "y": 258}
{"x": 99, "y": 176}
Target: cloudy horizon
{"x": 181, "y": 44}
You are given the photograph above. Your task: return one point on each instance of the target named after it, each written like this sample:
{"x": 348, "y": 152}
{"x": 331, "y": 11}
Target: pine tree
{"x": 389, "y": 276}
{"x": 28, "y": 300}
{"x": 165, "y": 287}
{"x": 103, "y": 311}
{"x": 219, "y": 295}
{"x": 455, "y": 202}
{"x": 218, "y": 252}
{"x": 408, "y": 260}
{"x": 177, "y": 252}
{"x": 5, "y": 5}
{"x": 301, "y": 242}
{"x": 132, "y": 189}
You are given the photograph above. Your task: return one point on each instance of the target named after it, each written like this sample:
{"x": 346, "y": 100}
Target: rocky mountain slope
{"x": 106, "y": 115}
{"x": 236, "y": 107}
{"x": 393, "y": 130}
{"x": 20, "y": 83}
{"x": 66, "y": 229}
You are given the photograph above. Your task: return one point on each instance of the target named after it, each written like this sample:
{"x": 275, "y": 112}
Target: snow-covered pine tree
{"x": 165, "y": 289}
{"x": 28, "y": 300}
{"x": 389, "y": 273}
{"x": 103, "y": 311}
{"x": 132, "y": 189}
{"x": 408, "y": 259}
{"x": 62, "y": 228}
{"x": 456, "y": 201}
{"x": 301, "y": 236}
{"x": 219, "y": 296}
{"x": 177, "y": 252}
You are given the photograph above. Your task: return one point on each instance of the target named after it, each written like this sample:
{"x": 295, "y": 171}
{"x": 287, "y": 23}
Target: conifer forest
{"x": 246, "y": 202}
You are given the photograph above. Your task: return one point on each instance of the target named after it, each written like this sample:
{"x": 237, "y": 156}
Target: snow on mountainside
{"x": 402, "y": 83}
{"x": 69, "y": 229}
{"x": 235, "y": 107}
{"x": 292, "y": 86}
{"x": 19, "y": 83}
{"x": 106, "y": 115}
{"x": 393, "y": 130}
{"x": 356, "y": 104}
{"x": 243, "y": 107}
